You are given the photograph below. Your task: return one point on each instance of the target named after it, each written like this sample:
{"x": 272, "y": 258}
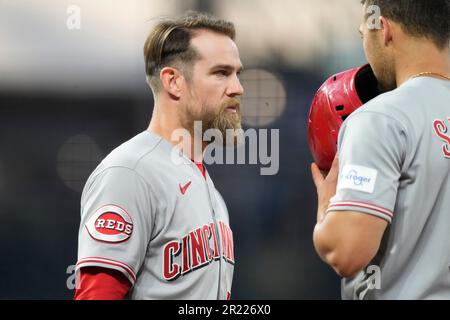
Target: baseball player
{"x": 154, "y": 226}
{"x": 383, "y": 214}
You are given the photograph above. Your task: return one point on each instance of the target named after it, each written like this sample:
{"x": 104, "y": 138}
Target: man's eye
{"x": 221, "y": 73}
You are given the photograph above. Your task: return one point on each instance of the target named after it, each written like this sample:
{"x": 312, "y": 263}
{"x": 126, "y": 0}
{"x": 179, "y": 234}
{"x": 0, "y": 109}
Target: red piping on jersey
{"x": 361, "y": 205}
{"x": 115, "y": 263}
{"x": 202, "y": 169}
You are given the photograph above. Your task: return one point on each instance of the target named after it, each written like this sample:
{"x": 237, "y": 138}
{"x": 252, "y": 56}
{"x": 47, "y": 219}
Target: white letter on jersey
{"x": 357, "y": 178}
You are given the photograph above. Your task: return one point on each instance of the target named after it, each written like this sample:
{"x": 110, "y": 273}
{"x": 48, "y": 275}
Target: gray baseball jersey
{"x": 394, "y": 157}
{"x": 148, "y": 212}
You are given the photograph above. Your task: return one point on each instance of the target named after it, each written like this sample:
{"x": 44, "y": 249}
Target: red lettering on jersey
{"x": 441, "y": 131}
{"x": 197, "y": 249}
{"x": 186, "y": 257}
{"x": 224, "y": 237}
{"x": 214, "y": 236}
{"x": 170, "y": 268}
{"x": 206, "y": 236}
{"x": 227, "y": 242}
{"x": 230, "y": 245}
{"x": 195, "y": 252}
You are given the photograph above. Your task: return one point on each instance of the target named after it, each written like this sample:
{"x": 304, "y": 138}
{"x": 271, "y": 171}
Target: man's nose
{"x": 235, "y": 87}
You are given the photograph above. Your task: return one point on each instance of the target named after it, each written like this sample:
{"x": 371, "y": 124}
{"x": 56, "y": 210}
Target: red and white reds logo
{"x": 111, "y": 224}
{"x": 441, "y": 130}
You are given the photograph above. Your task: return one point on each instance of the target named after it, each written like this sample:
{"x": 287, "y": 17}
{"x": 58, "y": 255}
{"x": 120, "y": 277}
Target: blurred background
{"x": 71, "y": 90}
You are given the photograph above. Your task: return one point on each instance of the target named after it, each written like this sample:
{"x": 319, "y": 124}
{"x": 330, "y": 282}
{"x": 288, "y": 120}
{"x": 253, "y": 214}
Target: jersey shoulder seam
{"x": 147, "y": 153}
{"x": 134, "y": 164}
{"x": 149, "y": 186}
{"x": 126, "y": 168}
{"x": 381, "y": 114}
{"x": 407, "y": 134}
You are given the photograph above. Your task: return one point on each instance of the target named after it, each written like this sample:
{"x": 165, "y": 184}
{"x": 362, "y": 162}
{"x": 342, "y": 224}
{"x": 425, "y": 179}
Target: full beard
{"x": 225, "y": 120}
{"x": 216, "y": 118}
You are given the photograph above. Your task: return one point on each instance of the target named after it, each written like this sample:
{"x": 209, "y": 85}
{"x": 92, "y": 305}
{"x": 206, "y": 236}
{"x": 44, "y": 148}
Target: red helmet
{"x": 335, "y": 100}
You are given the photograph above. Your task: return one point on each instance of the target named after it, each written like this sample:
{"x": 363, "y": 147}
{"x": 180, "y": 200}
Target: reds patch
{"x": 110, "y": 224}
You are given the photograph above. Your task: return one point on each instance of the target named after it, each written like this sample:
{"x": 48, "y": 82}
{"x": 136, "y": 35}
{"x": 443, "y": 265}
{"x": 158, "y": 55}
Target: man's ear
{"x": 387, "y": 29}
{"x": 170, "y": 80}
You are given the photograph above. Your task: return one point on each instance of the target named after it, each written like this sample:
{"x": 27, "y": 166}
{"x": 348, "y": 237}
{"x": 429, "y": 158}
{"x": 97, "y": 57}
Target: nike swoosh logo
{"x": 185, "y": 187}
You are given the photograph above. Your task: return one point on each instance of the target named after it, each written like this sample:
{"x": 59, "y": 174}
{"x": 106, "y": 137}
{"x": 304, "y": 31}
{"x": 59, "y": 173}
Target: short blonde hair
{"x": 168, "y": 44}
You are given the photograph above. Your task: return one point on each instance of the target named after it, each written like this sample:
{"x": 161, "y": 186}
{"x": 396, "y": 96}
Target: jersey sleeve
{"x": 116, "y": 221}
{"x": 97, "y": 283}
{"x": 371, "y": 149}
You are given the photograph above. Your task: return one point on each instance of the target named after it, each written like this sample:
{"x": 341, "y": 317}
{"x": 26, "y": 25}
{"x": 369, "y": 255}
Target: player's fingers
{"x": 334, "y": 171}
{"x": 316, "y": 175}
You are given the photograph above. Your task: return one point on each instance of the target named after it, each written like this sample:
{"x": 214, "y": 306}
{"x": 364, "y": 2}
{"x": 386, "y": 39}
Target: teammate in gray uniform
{"x": 154, "y": 218}
{"x": 384, "y": 208}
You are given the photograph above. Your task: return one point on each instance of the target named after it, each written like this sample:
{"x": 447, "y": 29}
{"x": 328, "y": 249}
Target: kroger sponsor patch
{"x": 357, "y": 178}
